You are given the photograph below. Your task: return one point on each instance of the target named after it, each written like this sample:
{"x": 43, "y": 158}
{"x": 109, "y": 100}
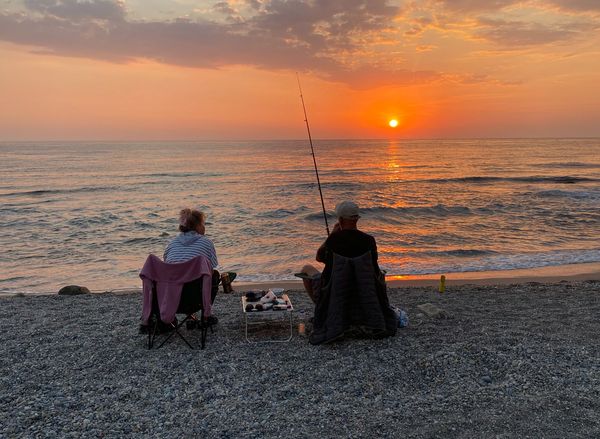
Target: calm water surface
{"x": 89, "y": 213}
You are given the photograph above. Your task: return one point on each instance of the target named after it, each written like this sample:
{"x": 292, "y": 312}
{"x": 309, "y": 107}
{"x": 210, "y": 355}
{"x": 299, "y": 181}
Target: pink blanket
{"x": 169, "y": 280}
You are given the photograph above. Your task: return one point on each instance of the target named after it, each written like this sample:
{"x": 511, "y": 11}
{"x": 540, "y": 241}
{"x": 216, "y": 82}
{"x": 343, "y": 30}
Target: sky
{"x": 198, "y": 70}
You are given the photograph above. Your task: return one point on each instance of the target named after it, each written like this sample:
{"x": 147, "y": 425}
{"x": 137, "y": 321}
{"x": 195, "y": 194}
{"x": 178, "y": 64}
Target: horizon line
{"x": 293, "y": 139}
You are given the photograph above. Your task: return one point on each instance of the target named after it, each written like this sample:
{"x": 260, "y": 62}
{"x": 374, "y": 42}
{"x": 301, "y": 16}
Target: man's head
{"x": 347, "y": 213}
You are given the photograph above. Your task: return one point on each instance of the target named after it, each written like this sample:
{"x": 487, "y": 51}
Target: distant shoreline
{"x": 551, "y": 274}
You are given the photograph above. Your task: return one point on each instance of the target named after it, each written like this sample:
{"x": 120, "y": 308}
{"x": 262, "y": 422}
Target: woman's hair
{"x": 189, "y": 219}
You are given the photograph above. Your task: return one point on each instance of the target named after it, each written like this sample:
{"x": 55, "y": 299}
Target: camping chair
{"x": 189, "y": 304}
{"x": 177, "y": 288}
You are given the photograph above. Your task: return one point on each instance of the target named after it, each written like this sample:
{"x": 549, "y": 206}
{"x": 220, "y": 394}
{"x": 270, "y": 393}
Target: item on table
{"x": 269, "y": 297}
{"x": 277, "y": 291}
{"x": 281, "y": 307}
{"x": 249, "y": 307}
{"x": 253, "y": 296}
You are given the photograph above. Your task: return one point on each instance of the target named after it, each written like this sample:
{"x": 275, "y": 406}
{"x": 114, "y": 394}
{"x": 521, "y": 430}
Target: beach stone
{"x": 430, "y": 310}
{"x": 73, "y": 290}
{"x": 486, "y": 379}
{"x": 482, "y": 365}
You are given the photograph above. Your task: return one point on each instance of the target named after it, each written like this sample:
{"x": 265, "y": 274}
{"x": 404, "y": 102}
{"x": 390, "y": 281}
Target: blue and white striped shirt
{"x": 188, "y": 245}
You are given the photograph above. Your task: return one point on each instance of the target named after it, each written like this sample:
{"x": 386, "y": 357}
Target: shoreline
{"x": 589, "y": 271}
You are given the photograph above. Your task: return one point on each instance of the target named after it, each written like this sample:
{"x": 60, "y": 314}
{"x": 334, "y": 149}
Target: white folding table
{"x": 266, "y": 317}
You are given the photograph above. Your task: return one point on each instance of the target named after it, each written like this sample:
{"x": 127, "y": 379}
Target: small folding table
{"x": 267, "y": 317}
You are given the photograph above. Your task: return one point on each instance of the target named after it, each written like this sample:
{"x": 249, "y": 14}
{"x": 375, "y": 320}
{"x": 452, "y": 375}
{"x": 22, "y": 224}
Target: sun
{"x": 393, "y": 123}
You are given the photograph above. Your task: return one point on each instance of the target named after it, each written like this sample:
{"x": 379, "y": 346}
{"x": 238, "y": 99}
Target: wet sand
{"x": 571, "y": 273}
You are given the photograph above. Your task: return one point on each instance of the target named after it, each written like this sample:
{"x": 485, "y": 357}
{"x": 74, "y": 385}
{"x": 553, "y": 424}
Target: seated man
{"x": 345, "y": 240}
{"x": 350, "y": 295}
{"x": 190, "y": 243}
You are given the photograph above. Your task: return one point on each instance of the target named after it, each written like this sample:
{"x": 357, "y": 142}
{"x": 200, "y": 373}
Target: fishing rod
{"x": 312, "y": 150}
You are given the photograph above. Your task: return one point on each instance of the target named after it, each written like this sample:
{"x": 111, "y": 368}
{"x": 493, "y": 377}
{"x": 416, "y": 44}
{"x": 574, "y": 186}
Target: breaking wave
{"x": 565, "y": 179}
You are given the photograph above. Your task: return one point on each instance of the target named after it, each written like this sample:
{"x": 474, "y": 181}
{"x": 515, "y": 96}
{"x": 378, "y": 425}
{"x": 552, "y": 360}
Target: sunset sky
{"x": 183, "y": 69}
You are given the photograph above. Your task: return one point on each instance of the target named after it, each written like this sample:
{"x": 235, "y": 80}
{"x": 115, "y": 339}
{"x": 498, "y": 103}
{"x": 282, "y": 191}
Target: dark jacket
{"x": 350, "y": 243}
{"x": 354, "y": 300}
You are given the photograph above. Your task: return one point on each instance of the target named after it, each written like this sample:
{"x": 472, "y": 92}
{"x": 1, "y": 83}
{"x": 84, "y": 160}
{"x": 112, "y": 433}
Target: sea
{"x": 89, "y": 213}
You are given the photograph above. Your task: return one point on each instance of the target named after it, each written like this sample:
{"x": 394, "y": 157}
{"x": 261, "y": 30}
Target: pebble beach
{"x": 501, "y": 361}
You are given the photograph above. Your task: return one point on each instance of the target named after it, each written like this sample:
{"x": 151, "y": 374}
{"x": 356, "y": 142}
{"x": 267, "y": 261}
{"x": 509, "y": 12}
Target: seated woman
{"x": 190, "y": 243}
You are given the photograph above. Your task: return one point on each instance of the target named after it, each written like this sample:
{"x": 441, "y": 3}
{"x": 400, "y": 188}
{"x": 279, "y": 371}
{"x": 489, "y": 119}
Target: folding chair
{"x": 177, "y": 288}
{"x": 189, "y": 304}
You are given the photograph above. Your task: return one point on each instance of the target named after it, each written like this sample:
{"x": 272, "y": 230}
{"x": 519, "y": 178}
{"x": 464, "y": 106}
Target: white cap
{"x": 347, "y": 210}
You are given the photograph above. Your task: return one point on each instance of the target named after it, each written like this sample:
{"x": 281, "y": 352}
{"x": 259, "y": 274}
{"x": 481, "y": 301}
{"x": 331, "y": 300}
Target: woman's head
{"x": 191, "y": 220}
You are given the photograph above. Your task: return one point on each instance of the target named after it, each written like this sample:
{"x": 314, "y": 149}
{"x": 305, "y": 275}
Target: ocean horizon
{"x": 89, "y": 213}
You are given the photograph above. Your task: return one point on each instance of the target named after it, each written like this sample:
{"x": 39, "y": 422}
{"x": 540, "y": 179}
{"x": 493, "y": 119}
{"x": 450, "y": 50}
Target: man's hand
{"x": 321, "y": 253}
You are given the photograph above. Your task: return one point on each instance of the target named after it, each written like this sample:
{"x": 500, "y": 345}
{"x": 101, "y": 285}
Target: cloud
{"x": 340, "y": 40}
{"x": 514, "y": 23}
{"x": 230, "y": 13}
{"x": 324, "y": 25}
{"x": 485, "y": 6}
{"x": 78, "y": 10}
{"x": 518, "y": 33}
{"x": 306, "y": 35}
{"x": 522, "y": 34}
{"x": 482, "y": 6}
{"x": 470, "y": 6}
{"x": 577, "y": 5}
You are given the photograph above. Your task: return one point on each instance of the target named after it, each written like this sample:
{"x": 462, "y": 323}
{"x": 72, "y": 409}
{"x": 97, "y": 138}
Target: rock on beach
{"x": 73, "y": 290}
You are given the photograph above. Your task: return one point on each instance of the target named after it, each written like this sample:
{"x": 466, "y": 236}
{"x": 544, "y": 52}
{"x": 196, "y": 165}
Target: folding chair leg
{"x": 180, "y": 334}
{"x": 203, "y": 330}
{"x": 203, "y": 338}
{"x": 166, "y": 338}
{"x": 176, "y": 331}
{"x": 155, "y": 322}
{"x": 152, "y": 329}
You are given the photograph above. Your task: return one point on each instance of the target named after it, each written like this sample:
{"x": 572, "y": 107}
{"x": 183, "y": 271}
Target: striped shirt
{"x": 188, "y": 245}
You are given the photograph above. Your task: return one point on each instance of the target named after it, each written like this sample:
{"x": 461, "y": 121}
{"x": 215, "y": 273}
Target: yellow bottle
{"x": 442, "y": 283}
